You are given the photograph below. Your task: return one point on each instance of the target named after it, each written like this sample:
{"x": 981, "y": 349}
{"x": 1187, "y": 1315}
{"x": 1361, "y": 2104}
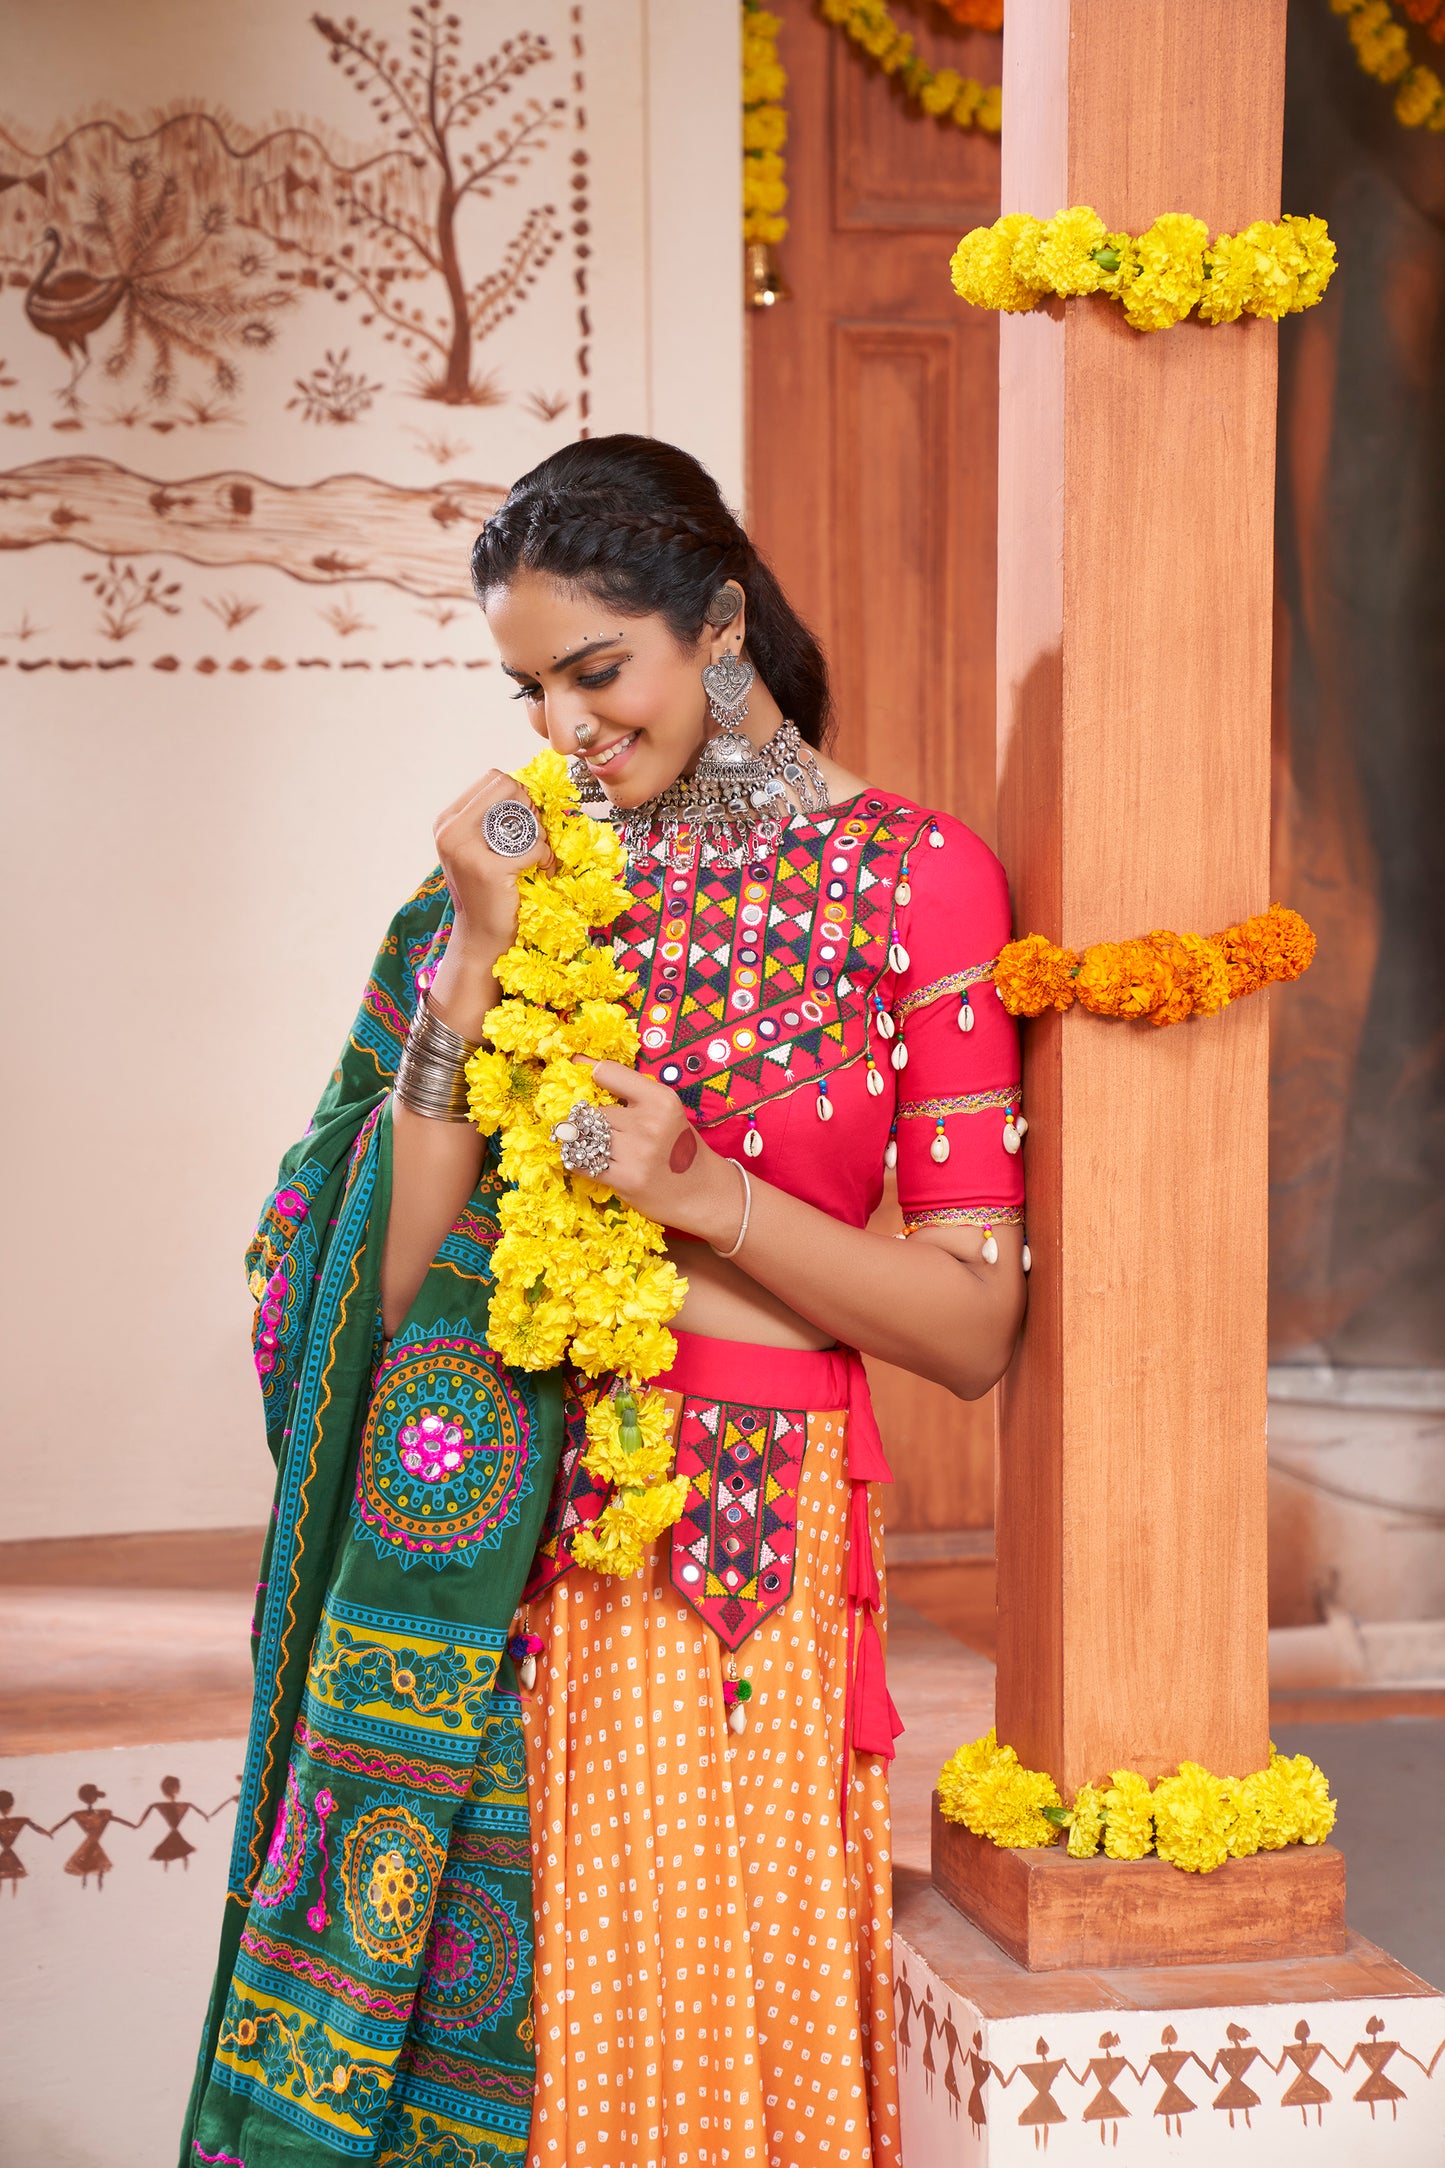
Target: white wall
{"x": 198, "y": 865}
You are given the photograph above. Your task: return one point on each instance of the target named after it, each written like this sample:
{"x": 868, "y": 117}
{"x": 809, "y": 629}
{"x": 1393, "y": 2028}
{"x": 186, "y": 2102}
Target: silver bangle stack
{"x": 431, "y": 1077}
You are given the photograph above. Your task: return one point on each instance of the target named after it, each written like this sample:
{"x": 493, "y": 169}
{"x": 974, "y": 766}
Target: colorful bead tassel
{"x": 737, "y": 1693}
{"x": 524, "y": 1649}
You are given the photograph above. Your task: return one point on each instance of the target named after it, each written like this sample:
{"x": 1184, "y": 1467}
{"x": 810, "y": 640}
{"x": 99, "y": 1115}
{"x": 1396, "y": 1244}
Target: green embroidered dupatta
{"x": 373, "y": 1996}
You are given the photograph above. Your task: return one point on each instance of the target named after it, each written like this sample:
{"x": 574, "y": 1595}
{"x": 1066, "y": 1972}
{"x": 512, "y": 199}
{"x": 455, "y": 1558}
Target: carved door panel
{"x": 872, "y": 460}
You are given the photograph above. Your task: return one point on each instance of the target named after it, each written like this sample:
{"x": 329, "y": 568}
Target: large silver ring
{"x": 585, "y": 1139}
{"x": 510, "y": 828}
{"x": 585, "y": 733}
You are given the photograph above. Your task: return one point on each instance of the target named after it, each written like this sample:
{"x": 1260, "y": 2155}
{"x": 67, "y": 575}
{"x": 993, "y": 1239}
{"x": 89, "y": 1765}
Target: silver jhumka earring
{"x": 729, "y": 759}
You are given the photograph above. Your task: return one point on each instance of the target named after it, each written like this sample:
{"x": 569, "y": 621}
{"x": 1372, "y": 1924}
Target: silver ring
{"x": 585, "y": 1139}
{"x": 585, "y": 733}
{"x": 510, "y": 828}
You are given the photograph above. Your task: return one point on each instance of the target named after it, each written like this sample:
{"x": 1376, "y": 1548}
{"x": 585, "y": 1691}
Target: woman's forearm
{"x": 434, "y": 1164}
{"x": 930, "y": 1304}
{"x": 942, "y": 1315}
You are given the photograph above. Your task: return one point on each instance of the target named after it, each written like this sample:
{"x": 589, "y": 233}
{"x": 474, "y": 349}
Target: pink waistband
{"x": 817, "y": 1379}
{"x": 775, "y": 1377}
{"x": 784, "y": 1377}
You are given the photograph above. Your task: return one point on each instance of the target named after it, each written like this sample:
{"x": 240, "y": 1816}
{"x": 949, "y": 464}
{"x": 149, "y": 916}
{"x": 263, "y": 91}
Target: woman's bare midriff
{"x": 724, "y": 1304}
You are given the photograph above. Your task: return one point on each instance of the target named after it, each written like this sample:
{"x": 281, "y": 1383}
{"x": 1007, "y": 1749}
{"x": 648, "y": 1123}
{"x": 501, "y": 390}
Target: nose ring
{"x": 585, "y": 733}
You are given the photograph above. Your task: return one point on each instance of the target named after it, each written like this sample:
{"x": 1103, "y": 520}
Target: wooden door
{"x": 872, "y": 456}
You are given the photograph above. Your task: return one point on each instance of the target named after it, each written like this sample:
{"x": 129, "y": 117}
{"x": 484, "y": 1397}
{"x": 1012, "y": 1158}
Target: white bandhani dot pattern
{"x": 713, "y": 1982}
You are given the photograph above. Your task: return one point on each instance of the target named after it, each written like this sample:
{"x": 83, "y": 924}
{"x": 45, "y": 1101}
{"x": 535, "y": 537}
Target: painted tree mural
{"x": 401, "y": 221}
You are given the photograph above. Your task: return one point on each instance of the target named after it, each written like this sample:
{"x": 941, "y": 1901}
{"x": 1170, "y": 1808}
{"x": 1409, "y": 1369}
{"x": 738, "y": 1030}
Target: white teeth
{"x": 601, "y": 760}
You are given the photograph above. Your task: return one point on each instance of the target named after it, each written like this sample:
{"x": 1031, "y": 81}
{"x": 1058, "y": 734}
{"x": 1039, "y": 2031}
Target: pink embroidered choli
{"x": 811, "y": 1006}
{"x": 816, "y": 1010}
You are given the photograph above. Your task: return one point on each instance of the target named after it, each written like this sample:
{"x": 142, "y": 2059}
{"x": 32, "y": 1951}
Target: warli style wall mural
{"x": 264, "y": 373}
{"x": 1318, "y": 2077}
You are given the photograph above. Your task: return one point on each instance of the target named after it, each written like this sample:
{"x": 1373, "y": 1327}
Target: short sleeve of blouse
{"x": 958, "y": 1089}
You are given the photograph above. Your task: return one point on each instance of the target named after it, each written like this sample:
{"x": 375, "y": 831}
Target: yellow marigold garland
{"x": 1269, "y": 269}
{"x": 1193, "y": 1819}
{"x": 942, "y": 93}
{"x": 1382, "y": 48}
{"x": 765, "y": 127}
{"x": 1162, "y": 976}
{"x": 579, "y": 1275}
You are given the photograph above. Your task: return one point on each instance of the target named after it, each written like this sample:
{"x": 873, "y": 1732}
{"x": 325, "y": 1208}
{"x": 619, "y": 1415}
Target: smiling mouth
{"x": 619, "y": 745}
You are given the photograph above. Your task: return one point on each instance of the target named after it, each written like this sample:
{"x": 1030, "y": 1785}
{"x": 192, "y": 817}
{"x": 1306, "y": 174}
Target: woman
{"x": 705, "y": 1745}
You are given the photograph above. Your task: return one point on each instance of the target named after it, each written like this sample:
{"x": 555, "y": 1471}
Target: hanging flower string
{"x": 1163, "y": 977}
{"x": 942, "y": 93}
{"x": 579, "y": 1276}
{"x": 1382, "y": 48}
{"x": 1193, "y": 1820}
{"x": 1268, "y": 269}
{"x": 765, "y": 128}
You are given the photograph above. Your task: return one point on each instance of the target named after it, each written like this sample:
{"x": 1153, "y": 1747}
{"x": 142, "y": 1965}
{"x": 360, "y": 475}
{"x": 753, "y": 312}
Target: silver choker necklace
{"x": 733, "y": 817}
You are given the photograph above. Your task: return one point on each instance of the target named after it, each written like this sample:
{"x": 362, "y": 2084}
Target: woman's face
{"x": 635, "y": 690}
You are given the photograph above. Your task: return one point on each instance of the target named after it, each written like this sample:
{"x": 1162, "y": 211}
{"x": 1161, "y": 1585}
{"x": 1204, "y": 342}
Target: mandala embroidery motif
{"x": 473, "y": 1966}
{"x": 444, "y": 1460}
{"x": 391, "y": 1869}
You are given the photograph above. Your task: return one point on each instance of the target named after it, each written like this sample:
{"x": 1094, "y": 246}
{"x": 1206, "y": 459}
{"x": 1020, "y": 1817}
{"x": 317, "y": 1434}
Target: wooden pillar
{"x": 1136, "y": 488}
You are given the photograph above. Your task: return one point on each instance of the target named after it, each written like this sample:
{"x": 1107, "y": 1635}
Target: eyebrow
{"x": 568, "y": 661}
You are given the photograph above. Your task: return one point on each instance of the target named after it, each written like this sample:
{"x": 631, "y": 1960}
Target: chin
{"x": 639, "y": 782}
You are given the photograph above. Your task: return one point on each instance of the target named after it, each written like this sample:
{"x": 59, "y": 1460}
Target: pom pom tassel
{"x": 524, "y": 1649}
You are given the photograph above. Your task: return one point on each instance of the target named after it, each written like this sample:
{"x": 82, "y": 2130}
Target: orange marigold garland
{"x": 974, "y": 14}
{"x": 1162, "y": 977}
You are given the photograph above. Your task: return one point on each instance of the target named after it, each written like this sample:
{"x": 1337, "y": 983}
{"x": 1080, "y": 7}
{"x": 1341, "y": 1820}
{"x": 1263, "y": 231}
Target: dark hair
{"x": 643, "y": 526}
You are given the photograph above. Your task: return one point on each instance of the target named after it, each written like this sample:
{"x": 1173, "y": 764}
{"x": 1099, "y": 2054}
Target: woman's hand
{"x": 483, "y": 884}
{"x": 483, "y": 887}
{"x": 661, "y": 1166}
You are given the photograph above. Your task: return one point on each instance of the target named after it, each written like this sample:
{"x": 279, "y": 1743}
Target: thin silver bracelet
{"x": 747, "y": 1212}
{"x": 431, "y": 1077}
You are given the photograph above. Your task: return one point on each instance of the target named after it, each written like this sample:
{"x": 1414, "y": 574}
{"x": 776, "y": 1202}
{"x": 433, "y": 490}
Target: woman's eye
{"x": 528, "y": 692}
{"x": 595, "y": 678}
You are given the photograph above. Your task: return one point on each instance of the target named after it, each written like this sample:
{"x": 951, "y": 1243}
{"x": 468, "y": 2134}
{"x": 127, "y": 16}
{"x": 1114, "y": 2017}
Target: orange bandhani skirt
{"x": 713, "y": 1976}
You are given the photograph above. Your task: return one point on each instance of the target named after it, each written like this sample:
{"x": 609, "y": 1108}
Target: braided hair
{"x": 643, "y": 526}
